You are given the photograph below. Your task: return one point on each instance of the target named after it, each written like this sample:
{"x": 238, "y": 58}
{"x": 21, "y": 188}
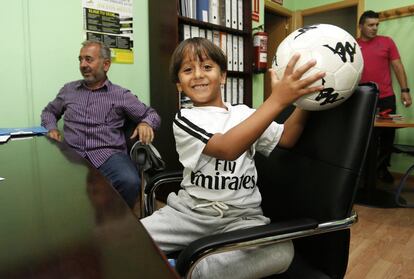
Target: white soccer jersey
{"x": 205, "y": 177}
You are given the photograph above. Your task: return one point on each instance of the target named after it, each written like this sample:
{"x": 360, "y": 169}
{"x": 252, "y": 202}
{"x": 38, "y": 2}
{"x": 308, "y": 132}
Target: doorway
{"x": 344, "y": 14}
{"x": 343, "y": 18}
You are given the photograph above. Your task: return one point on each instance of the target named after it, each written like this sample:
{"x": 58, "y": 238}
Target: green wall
{"x": 40, "y": 46}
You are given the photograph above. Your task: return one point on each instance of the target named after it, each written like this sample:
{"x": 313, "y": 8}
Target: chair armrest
{"x": 238, "y": 239}
{"x": 155, "y": 182}
{"x": 163, "y": 178}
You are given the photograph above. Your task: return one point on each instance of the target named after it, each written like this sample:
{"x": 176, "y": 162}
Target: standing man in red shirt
{"x": 380, "y": 55}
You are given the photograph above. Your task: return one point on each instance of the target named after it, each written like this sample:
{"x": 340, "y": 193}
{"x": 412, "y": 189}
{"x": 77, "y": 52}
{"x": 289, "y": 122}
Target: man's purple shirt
{"x": 93, "y": 119}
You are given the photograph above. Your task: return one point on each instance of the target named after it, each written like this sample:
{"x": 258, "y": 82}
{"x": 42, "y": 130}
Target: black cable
{"x": 401, "y": 186}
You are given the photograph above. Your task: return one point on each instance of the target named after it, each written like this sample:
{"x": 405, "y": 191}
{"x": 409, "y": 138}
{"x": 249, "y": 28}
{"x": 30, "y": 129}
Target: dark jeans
{"x": 385, "y": 136}
{"x": 124, "y": 176}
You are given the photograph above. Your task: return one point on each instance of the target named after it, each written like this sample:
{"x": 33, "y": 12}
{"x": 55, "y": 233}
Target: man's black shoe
{"x": 385, "y": 176}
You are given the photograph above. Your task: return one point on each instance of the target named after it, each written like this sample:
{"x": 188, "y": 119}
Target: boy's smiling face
{"x": 200, "y": 80}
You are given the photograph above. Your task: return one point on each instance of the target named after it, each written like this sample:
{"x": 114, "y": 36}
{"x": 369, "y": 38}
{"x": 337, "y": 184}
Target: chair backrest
{"x": 318, "y": 178}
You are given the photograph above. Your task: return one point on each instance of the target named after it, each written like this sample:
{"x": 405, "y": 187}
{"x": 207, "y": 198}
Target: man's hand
{"x": 145, "y": 133}
{"x": 406, "y": 99}
{"x": 54, "y": 134}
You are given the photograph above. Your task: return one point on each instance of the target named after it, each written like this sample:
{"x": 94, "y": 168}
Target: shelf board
{"x": 207, "y": 25}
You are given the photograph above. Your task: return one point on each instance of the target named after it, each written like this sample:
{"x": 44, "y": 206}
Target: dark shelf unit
{"x": 164, "y": 22}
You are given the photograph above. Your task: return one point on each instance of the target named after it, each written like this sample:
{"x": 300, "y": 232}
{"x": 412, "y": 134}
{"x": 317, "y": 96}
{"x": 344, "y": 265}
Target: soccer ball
{"x": 336, "y": 52}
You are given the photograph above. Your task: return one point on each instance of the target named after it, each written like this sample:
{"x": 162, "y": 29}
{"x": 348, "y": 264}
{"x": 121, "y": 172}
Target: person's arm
{"x": 147, "y": 118}
{"x": 399, "y": 71}
{"x": 144, "y": 132}
{"x": 233, "y": 143}
{"x": 51, "y": 115}
{"x": 293, "y": 128}
{"x": 54, "y": 134}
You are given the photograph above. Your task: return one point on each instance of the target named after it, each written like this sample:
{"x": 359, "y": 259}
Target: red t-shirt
{"x": 378, "y": 54}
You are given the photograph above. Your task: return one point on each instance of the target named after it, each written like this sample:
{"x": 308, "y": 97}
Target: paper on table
{"x": 21, "y": 137}
{"x": 23, "y": 131}
{"x": 4, "y": 138}
{"x": 391, "y": 117}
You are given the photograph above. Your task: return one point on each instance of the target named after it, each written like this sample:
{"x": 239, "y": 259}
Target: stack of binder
{"x": 227, "y": 13}
{"x": 232, "y": 45}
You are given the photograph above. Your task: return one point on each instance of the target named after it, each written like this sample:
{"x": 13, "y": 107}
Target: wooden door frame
{"x": 360, "y": 5}
{"x": 278, "y": 9}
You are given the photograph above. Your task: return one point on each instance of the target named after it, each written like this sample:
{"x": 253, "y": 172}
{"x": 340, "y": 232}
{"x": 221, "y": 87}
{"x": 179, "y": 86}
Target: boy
{"x": 216, "y": 143}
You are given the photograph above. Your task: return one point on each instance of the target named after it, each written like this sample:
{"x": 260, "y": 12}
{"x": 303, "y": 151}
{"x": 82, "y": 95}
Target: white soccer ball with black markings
{"x": 336, "y": 52}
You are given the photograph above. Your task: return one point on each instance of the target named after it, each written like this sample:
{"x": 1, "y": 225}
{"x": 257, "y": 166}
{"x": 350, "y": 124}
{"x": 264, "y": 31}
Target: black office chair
{"x": 308, "y": 192}
{"x": 146, "y": 158}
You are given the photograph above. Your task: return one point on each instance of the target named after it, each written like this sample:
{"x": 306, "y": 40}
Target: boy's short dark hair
{"x": 368, "y": 14}
{"x": 200, "y": 48}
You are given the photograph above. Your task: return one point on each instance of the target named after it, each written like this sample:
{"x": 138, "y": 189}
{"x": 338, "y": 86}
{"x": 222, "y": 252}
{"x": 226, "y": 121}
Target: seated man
{"x": 94, "y": 111}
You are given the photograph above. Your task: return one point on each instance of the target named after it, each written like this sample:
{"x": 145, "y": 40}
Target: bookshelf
{"x": 166, "y": 28}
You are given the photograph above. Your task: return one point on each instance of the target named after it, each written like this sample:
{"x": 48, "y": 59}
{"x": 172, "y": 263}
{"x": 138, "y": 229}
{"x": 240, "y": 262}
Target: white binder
{"x": 240, "y": 93}
{"x": 214, "y": 12}
{"x": 216, "y": 37}
{"x": 209, "y": 35}
{"x": 195, "y": 31}
{"x": 228, "y": 13}
{"x": 229, "y": 85}
{"x": 235, "y": 53}
{"x": 202, "y": 33}
{"x": 233, "y": 13}
{"x": 234, "y": 90}
{"x": 191, "y": 9}
{"x": 223, "y": 42}
{"x": 229, "y": 52}
{"x": 186, "y": 31}
{"x": 240, "y": 14}
{"x": 240, "y": 54}
{"x": 222, "y": 12}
